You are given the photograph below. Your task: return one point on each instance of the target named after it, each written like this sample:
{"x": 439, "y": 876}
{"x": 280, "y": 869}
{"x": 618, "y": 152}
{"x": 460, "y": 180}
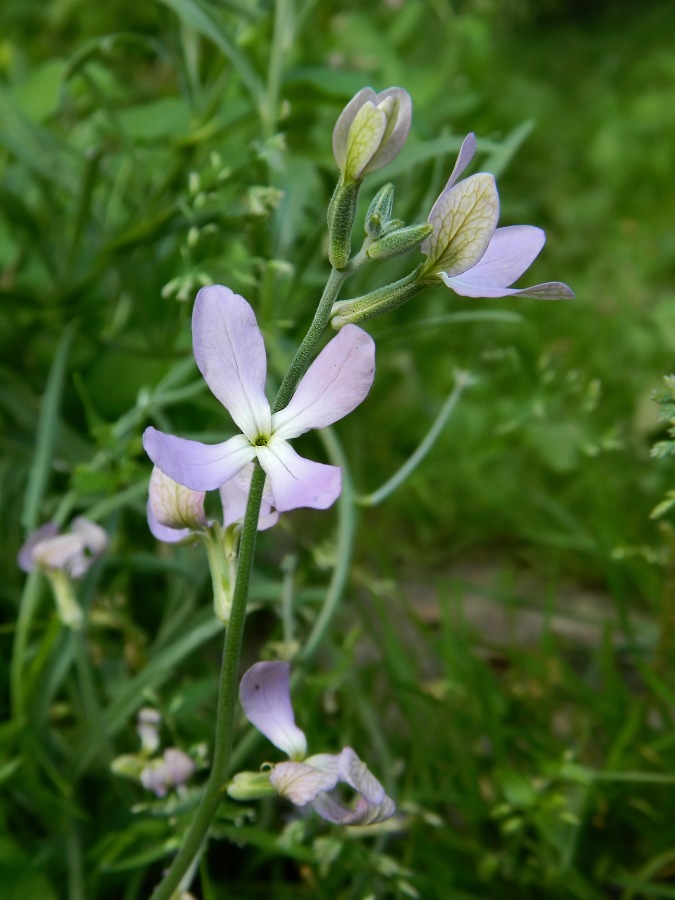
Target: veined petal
{"x": 234, "y": 497}
{"x": 166, "y": 533}
{"x": 395, "y": 102}
{"x": 344, "y": 123}
{"x": 200, "y": 467}
{"x": 365, "y": 136}
{"x": 357, "y": 775}
{"x": 372, "y": 804}
{"x": 296, "y": 481}
{"x": 301, "y": 783}
{"x": 264, "y": 693}
{"x": 511, "y": 251}
{"x": 174, "y": 506}
{"x": 464, "y": 157}
{"x": 464, "y": 221}
{"x": 363, "y": 813}
{"x": 230, "y": 353}
{"x": 336, "y": 382}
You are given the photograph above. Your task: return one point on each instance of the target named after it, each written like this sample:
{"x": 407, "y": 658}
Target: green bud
{"x": 341, "y": 214}
{"x": 379, "y": 211}
{"x": 250, "y": 786}
{"x": 377, "y": 302}
{"x": 400, "y": 241}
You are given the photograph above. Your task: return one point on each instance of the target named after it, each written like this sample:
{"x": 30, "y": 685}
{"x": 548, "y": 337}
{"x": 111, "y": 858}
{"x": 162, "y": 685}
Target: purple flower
{"x": 73, "y": 552}
{"x": 170, "y": 770}
{"x": 468, "y": 252}
{"x": 265, "y": 695}
{"x": 175, "y": 513}
{"x": 370, "y": 131}
{"x": 230, "y": 353}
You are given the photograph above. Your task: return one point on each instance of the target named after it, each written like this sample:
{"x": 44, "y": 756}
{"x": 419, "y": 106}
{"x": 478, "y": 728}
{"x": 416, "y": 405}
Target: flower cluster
{"x": 159, "y": 774}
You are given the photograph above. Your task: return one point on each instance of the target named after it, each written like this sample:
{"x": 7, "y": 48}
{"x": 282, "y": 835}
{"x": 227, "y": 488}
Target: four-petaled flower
{"x": 230, "y": 353}
{"x": 265, "y": 696}
{"x": 72, "y": 552}
{"x": 62, "y": 557}
{"x": 370, "y": 131}
{"x": 468, "y": 252}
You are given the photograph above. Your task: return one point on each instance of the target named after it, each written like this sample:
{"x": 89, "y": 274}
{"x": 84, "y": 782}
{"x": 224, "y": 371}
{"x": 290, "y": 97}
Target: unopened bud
{"x": 401, "y": 241}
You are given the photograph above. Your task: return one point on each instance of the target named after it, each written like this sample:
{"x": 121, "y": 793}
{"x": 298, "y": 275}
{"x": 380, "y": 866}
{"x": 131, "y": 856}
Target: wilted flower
{"x": 230, "y": 353}
{"x": 73, "y": 552}
{"x": 175, "y": 513}
{"x": 62, "y": 557}
{"x": 265, "y": 696}
{"x": 468, "y": 252}
{"x": 370, "y": 131}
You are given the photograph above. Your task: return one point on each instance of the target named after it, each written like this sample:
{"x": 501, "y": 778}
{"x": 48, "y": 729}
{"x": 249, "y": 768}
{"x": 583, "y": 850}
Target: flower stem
{"x": 316, "y": 329}
{"x": 227, "y": 697}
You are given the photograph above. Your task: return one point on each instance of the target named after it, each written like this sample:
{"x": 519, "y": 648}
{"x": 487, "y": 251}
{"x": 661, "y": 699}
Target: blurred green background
{"x": 504, "y": 655}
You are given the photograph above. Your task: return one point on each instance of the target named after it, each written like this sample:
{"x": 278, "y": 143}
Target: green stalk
{"x": 227, "y": 697}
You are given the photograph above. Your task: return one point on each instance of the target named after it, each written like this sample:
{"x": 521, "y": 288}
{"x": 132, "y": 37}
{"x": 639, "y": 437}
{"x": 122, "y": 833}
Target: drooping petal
{"x": 464, "y": 157}
{"x": 230, "y": 353}
{"x": 234, "y": 497}
{"x": 510, "y": 252}
{"x": 301, "y": 783}
{"x": 336, "y": 382}
{"x": 25, "y": 558}
{"x": 372, "y": 804}
{"x": 166, "y": 533}
{"x": 464, "y": 221}
{"x": 363, "y": 813}
{"x": 296, "y": 481}
{"x": 264, "y": 693}
{"x": 174, "y": 511}
{"x": 200, "y": 467}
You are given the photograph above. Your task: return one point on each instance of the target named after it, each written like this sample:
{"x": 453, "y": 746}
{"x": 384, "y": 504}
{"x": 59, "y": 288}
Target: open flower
{"x": 370, "y": 131}
{"x": 468, "y": 252}
{"x": 72, "y": 552}
{"x": 175, "y": 513}
{"x": 265, "y": 696}
{"x": 230, "y": 353}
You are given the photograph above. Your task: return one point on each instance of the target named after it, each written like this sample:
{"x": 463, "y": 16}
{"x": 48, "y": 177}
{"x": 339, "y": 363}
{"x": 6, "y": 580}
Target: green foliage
{"x": 504, "y": 660}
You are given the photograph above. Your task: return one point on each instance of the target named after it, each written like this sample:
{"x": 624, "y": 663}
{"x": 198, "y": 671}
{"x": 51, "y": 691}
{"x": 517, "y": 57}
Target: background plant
{"x": 512, "y": 591}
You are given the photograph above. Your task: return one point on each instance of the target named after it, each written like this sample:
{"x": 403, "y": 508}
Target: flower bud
{"x": 379, "y": 211}
{"x": 370, "y": 131}
{"x": 376, "y": 302}
{"x": 399, "y": 241}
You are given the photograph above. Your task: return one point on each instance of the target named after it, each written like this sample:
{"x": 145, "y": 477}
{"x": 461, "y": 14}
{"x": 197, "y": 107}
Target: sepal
{"x": 377, "y": 302}
{"x": 250, "y": 786}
